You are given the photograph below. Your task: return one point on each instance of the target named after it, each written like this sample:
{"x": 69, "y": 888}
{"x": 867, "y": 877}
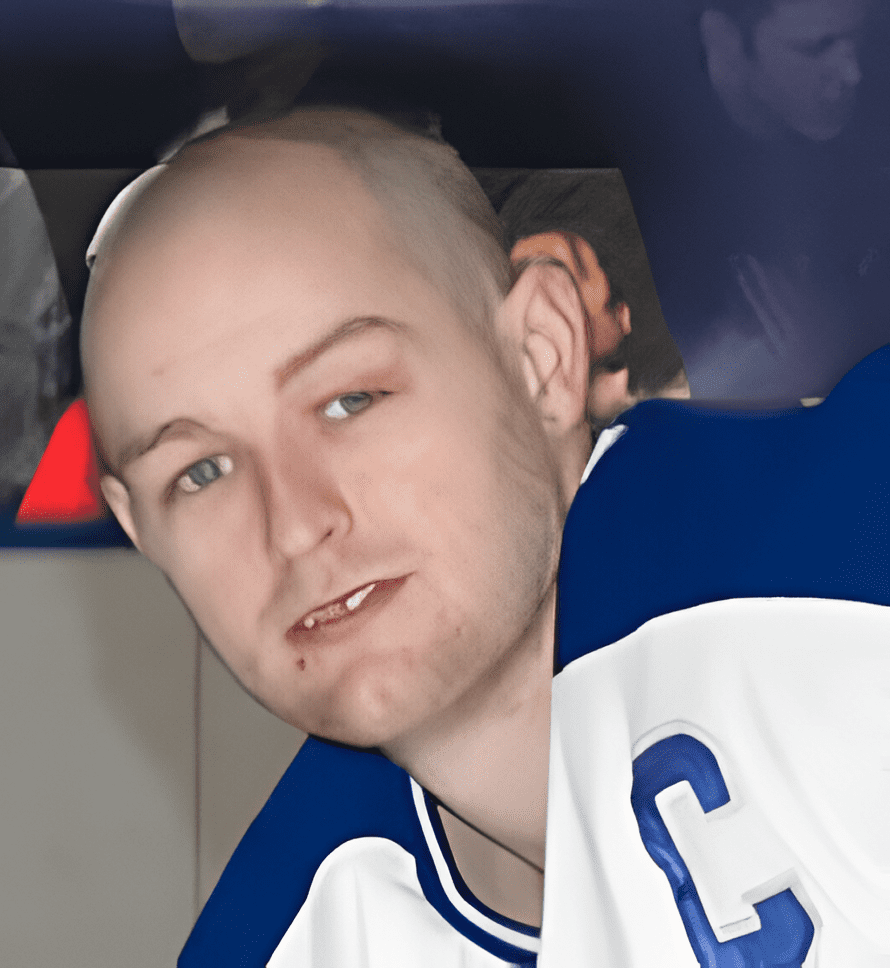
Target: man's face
{"x": 356, "y": 504}
{"x": 804, "y": 68}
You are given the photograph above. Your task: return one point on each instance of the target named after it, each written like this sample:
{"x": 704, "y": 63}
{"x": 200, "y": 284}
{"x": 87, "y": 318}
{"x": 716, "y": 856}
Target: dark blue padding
{"x": 697, "y": 505}
{"x": 328, "y": 796}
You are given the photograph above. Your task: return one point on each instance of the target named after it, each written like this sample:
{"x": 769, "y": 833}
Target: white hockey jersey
{"x": 720, "y": 752}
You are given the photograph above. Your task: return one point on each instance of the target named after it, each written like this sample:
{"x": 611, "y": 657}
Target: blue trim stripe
{"x": 432, "y": 804}
{"x": 436, "y": 892}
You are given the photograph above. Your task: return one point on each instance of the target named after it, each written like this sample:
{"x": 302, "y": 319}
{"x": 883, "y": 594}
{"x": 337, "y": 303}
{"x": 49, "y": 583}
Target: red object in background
{"x": 65, "y": 486}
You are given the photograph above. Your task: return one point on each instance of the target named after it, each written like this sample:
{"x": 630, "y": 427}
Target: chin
{"x": 361, "y": 736}
{"x": 350, "y": 722}
{"x": 823, "y": 133}
{"x": 824, "y": 129}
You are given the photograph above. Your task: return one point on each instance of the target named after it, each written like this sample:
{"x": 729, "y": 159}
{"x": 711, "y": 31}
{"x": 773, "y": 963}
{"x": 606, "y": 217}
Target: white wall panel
{"x": 244, "y": 751}
{"x": 97, "y": 762}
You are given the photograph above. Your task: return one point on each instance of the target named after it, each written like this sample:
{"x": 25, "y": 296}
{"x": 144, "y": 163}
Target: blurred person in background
{"x": 36, "y": 349}
{"x": 781, "y": 66}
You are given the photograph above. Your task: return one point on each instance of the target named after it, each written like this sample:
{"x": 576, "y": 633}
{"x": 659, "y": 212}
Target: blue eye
{"x": 204, "y": 472}
{"x": 347, "y": 405}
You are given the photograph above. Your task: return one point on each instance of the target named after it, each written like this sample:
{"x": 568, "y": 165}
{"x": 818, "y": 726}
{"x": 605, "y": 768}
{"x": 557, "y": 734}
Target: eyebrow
{"x": 184, "y": 426}
{"x": 180, "y": 427}
{"x": 346, "y": 330}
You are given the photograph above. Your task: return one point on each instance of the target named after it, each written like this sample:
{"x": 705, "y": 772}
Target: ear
{"x": 118, "y": 498}
{"x": 544, "y": 319}
{"x": 724, "y": 50}
{"x": 605, "y": 328}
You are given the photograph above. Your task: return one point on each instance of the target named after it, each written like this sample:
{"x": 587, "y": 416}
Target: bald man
{"x": 351, "y": 442}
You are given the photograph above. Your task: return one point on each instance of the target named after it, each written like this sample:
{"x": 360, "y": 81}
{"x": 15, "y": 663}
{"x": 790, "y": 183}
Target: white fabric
{"x": 793, "y": 698}
{"x": 366, "y": 909}
{"x": 605, "y": 440}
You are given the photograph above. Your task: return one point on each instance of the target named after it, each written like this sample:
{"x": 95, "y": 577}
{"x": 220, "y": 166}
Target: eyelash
{"x": 223, "y": 463}
{"x": 372, "y": 396}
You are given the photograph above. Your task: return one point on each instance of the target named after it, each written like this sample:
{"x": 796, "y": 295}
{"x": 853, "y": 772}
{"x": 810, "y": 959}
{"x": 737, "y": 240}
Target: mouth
{"x": 340, "y": 609}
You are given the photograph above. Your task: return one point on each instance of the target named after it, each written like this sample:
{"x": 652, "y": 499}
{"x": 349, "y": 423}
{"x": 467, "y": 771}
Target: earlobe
{"x": 118, "y": 498}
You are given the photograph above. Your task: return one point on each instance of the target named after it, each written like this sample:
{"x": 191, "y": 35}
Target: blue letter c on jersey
{"x": 786, "y": 931}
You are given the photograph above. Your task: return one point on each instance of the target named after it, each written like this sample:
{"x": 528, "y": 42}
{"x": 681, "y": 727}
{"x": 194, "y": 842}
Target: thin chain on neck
{"x": 497, "y": 843}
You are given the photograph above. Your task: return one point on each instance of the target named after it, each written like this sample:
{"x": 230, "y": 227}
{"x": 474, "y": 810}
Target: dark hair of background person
{"x": 595, "y": 206}
{"x": 745, "y": 14}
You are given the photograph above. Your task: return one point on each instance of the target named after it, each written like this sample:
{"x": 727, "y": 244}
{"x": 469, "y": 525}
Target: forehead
{"x": 812, "y": 20}
{"x": 229, "y": 261}
{"x": 224, "y": 204}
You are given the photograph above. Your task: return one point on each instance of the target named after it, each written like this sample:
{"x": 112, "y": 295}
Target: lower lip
{"x": 350, "y": 623}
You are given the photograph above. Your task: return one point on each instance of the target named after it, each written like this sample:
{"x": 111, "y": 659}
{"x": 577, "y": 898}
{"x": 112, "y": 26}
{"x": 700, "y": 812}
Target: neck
{"x": 487, "y": 762}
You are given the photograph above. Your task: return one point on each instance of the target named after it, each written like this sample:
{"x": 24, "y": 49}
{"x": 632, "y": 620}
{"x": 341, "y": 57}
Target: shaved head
{"x": 294, "y": 407}
{"x": 426, "y": 202}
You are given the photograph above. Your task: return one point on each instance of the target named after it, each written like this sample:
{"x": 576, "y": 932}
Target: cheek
{"x": 605, "y": 334}
{"x": 796, "y": 80}
{"x": 418, "y": 475}
{"x": 442, "y": 486}
{"x": 224, "y": 591}
{"x": 484, "y": 508}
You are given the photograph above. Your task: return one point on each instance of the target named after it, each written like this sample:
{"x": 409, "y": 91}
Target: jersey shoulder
{"x": 348, "y": 861}
{"x": 328, "y": 796}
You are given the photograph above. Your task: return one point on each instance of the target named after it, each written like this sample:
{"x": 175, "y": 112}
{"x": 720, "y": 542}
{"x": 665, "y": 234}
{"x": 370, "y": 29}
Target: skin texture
{"x": 801, "y": 74}
{"x": 256, "y": 293}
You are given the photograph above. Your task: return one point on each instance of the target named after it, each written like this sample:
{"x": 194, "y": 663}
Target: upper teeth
{"x": 337, "y": 610}
{"x": 353, "y": 602}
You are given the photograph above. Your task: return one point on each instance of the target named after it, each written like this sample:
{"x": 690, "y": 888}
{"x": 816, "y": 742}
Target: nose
{"x": 304, "y": 507}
